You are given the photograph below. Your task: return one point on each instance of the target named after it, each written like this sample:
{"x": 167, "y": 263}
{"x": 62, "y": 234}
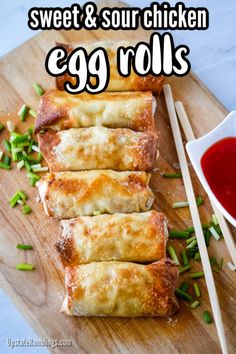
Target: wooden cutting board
{"x": 39, "y": 294}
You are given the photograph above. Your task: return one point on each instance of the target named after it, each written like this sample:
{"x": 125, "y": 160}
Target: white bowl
{"x": 196, "y": 149}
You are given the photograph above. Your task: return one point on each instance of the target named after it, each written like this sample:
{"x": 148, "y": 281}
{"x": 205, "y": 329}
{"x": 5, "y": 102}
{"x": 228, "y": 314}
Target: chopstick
{"x": 183, "y": 118}
{"x": 195, "y": 217}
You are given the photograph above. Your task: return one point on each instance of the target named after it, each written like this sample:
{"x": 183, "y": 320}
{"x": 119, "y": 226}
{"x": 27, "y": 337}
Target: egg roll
{"x": 69, "y": 194}
{"x": 136, "y": 237}
{"x": 133, "y": 82}
{"x": 98, "y": 148}
{"x": 121, "y": 289}
{"x": 59, "y": 110}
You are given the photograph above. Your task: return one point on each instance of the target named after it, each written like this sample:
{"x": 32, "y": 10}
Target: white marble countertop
{"x": 213, "y": 59}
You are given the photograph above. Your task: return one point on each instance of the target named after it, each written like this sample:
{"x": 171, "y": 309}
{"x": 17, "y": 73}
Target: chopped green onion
{"x": 36, "y": 165}
{"x": 190, "y": 240}
{"x": 35, "y": 148}
{"x": 22, "y": 195}
{"x": 26, "y": 209}
{"x": 183, "y": 295}
{"x": 191, "y": 228}
{"x": 20, "y": 201}
{"x": 184, "y": 269}
{"x": 172, "y": 175}
{"x": 16, "y": 150}
{"x": 184, "y": 286}
{"x": 197, "y": 256}
{"x": 24, "y": 247}
{"x": 218, "y": 229}
{"x": 33, "y": 113}
{"x": 199, "y": 201}
{"x": 179, "y": 205}
{"x": 214, "y": 219}
{"x": 212, "y": 261}
{"x": 1, "y": 154}
{"x": 7, "y": 145}
{"x": 1, "y": 127}
{"x": 38, "y": 89}
{"x": 10, "y": 126}
{"x": 192, "y": 244}
{"x": 14, "y": 200}
{"x": 39, "y": 157}
{"x": 20, "y": 164}
{"x": 24, "y": 266}
{"x": 33, "y": 175}
{"x": 195, "y": 304}
{"x": 184, "y": 258}
{"x": 40, "y": 169}
{"x": 214, "y": 233}
{"x": 23, "y": 112}
{"x": 196, "y": 289}
{"x": 207, "y": 317}
{"x": 196, "y": 275}
{"x": 207, "y": 236}
{"x": 33, "y": 181}
{"x": 4, "y": 166}
{"x": 173, "y": 254}
{"x": 178, "y": 234}
{"x": 30, "y": 146}
{"x": 7, "y": 160}
{"x": 27, "y": 166}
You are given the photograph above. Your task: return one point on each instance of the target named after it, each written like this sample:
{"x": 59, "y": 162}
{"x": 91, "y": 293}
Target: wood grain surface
{"x": 39, "y": 294}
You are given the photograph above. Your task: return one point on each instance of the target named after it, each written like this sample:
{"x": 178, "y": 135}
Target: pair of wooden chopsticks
{"x": 194, "y": 214}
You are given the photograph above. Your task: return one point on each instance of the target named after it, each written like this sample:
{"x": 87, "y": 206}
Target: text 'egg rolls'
{"x": 59, "y": 110}
{"x": 122, "y": 289}
{"x": 69, "y": 194}
{"x": 98, "y": 148}
{"x": 136, "y": 237}
{"x": 133, "y": 82}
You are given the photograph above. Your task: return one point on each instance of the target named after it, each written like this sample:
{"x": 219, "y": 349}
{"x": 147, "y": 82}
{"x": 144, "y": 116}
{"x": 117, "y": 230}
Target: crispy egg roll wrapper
{"x": 69, "y": 194}
{"x": 59, "y": 110}
{"x": 121, "y": 289}
{"x": 98, "y": 148}
{"x": 116, "y": 83}
{"x": 136, "y": 237}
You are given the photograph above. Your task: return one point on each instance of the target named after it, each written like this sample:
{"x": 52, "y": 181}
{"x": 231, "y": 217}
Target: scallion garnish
{"x": 7, "y": 145}
{"x": 24, "y": 266}
{"x": 33, "y": 175}
{"x": 23, "y": 112}
{"x": 20, "y": 164}
{"x": 197, "y": 256}
{"x": 1, "y": 127}
{"x": 183, "y": 295}
{"x": 196, "y": 289}
{"x": 14, "y": 199}
{"x": 27, "y": 166}
{"x": 184, "y": 258}
{"x": 40, "y": 169}
{"x": 10, "y": 126}
{"x": 26, "y": 209}
{"x": 35, "y": 148}
{"x": 24, "y": 247}
{"x": 184, "y": 286}
{"x": 172, "y": 175}
{"x": 192, "y": 244}
{"x": 184, "y": 269}
{"x": 38, "y": 89}
{"x": 33, "y": 113}
{"x": 196, "y": 275}
{"x": 214, "y": 233}
{"x": 179, "y": 205}
{"x": 4, "y": 166}
{"x": 190, "y": 240}
{"x": 195, "y": 304}
{"x": 173, "y": 254}
{"x": 214, "y": 219}
{"x": 178, "y": 234}
{"x": 199, "y": 201}
{"x": 7, "y": 160}
{"x": 207, "y": 317}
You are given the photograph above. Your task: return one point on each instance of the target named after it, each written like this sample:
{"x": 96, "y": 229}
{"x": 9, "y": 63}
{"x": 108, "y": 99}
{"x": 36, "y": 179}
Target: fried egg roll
{"x": 121, "y": 289}
{"x": 69, "y": 194}
{"x": 136, "y": 237}
{"x": 98, "y": 148}
{"x": 133, "y": 82}
{"x": 58, "y": 110}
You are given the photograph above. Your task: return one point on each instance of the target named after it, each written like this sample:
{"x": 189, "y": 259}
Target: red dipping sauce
{"x": 219, "y": 167}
